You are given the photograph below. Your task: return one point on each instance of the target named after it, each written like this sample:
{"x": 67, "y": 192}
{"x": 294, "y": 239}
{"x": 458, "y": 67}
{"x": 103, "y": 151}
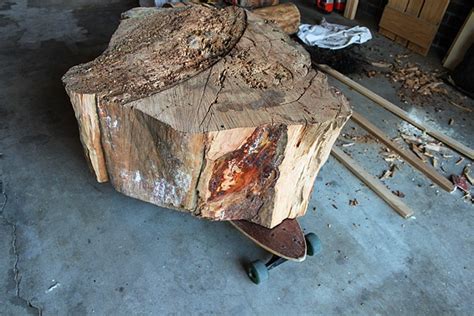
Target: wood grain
{"x": 432, "y": 12}
{"x": 210, "y": 111}
{"x": 407, "y": 26}
{"x": 399, "y": 5}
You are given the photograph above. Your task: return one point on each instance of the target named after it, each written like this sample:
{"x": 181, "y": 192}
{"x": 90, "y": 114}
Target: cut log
{"x": 286, "y": 16}
{"x": 210, "y": 111}
{"x": 252, "y": 4}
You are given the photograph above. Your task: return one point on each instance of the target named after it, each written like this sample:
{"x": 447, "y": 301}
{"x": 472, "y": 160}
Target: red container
{"x": 325, "y": 5}
{"x": 339, "y": 5}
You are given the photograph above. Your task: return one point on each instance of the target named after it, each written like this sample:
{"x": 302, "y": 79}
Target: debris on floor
{"x": 461, "y": 182}
{"x": 389, "y": 172}
{"x": 467, "y": 173}
{"x": 399, "y": 193}
{"x": 353, "y": 202}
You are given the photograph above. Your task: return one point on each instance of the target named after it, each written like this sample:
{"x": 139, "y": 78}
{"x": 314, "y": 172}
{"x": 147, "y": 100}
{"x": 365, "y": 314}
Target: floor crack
{"x": 16, "y": 254}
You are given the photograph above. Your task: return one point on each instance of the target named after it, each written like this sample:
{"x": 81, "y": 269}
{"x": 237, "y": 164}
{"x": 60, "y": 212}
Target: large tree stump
{"x": 210, "y": 111}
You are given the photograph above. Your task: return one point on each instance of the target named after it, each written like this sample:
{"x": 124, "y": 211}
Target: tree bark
{"x": 209, "y": 111}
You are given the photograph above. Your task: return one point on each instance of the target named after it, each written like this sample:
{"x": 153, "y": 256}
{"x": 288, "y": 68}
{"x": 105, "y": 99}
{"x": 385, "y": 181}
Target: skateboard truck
{"x": 258, "y": 271}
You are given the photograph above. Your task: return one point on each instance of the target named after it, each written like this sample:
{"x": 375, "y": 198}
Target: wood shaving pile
{"x": 415, "y": 80}
{"x": 424, "y": 149}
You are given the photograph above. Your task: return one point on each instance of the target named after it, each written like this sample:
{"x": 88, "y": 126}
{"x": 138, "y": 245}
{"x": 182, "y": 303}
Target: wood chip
{"x": 467, "y": 173}
{"x": 353, "y": 202}
{"x": 418, "y": 152}
{"x": 347, "y": 144}
{"x": 381, "y": 64}
{"x": 460, "y": 106}
{"x": 389, "y": 172}
{"x": 399, "y": 193}
{"x": 460, "y": 182}
{"x": 432, "y": 147}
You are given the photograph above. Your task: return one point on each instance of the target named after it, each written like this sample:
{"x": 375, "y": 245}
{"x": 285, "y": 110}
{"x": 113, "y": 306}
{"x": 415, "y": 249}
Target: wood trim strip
{"x": 454, "y": 144}
{"x": 373, "y": 183}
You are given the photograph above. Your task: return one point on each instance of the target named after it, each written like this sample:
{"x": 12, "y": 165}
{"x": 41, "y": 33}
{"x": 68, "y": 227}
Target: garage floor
{"x": 71, "y": 246}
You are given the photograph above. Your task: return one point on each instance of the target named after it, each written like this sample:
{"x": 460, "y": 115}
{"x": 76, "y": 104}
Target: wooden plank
{"x": 351, "y": 9}
{"x": 409, "y": 27}
{"x": 464, "y": 39}
{"x": 432, "y": 12}
{"x": 454, "y": 144}
{"x": 413, "y": 8}
{"x": 408, "y": 156}
{"x": 398, "y": 5}
{"x": 373, "y": 183}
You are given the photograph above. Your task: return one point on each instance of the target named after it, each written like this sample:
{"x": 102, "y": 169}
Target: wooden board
{"x": 408, "y": 27}
{"x": 285, "y": 240}
{"x": 214, "y": 112}
{"x": 432, "y": 12}
{"x": 373, "y": 183}
{"x": 398, "y": 5}
{"x": 413, "y": 23}
{"x": 413, "y": 8}
{"x": 464, "y": 39}
{"x": 351, "y": 9}
{"x": 454, "y": 144}
{"x": 408, "y": 156}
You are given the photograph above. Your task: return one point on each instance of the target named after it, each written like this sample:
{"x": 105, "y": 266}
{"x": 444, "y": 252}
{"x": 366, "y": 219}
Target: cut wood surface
{"x": 286, "y": 16}
{"x": 373, "y": 183}
{"x": 408, "y": 156}
{"x": 454, "y": 144}
{"x": 464, "y": 39}
{"x": 210, "y": 111}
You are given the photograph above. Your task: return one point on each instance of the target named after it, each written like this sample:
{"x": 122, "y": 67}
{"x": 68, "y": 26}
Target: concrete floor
{"x": 70, "y": 246}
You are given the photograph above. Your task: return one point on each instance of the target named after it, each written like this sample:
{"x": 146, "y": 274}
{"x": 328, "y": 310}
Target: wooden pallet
{"x": 413, "y": 23}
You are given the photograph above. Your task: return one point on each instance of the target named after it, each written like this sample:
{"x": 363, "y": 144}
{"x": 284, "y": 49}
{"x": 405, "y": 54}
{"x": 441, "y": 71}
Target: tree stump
{"x": 209, "y": 111}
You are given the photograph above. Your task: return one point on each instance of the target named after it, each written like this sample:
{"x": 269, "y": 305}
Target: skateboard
{"x": 286, "y": 242}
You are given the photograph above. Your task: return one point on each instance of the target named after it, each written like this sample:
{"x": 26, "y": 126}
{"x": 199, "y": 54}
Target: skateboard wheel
{"x": 257, "y": 272}
{"x": 313, "y": 244}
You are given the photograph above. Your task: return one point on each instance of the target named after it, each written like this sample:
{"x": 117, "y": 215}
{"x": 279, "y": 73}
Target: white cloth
{"x": 333, "y": 36}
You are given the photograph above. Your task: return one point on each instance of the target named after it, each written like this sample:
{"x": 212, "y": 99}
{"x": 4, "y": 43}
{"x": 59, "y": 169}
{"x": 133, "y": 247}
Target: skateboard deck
{"x": 285, "y": 240}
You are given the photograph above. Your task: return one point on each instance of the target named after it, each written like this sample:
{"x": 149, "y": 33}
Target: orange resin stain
{"x": 253, "y": 167}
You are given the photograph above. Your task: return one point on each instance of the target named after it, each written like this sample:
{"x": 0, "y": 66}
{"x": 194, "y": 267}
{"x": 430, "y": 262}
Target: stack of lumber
{"x": 209, "y": 111}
